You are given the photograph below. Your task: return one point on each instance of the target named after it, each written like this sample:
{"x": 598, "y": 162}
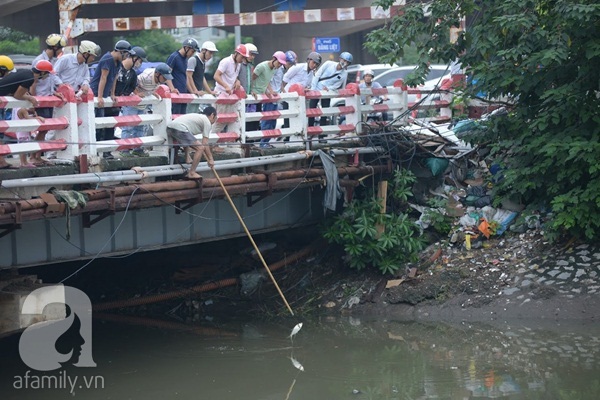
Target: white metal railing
{"x": 75, "y": 123}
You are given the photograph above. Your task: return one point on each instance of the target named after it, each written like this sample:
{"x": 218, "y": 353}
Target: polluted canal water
{"x": 247, "y": 351}
{"x": 329, "y": 358}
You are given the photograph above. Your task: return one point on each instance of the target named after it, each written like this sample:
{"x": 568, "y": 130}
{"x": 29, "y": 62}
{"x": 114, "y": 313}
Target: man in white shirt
{"x": 331, "y": 76}
{"x": 73, "y": 69}
{"x": 301, "y": 74}
{"x": 226, "y": 78}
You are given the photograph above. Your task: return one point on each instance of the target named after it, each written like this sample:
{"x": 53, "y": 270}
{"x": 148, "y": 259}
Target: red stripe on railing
{"x": 381, "y": 107}
{"x": 227, "y": 137}
{"x": 227, "y": 117}
{"x": 49, "y": 101}
{"x": 314, "y": 112}
{"x": 128, "y": 100}
{"x": 128, "y": 144}
{"x": 270, "y": 115}
{"x": 59, "y": 144}
{"x": 314, "y": 130}
{"x": 346, "y": 109}
{"x": 128, "y": 120}
{"x": 271, "y": 133}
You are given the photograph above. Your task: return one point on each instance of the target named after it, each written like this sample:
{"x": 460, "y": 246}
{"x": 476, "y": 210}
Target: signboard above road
{"x": 326, "y": 44}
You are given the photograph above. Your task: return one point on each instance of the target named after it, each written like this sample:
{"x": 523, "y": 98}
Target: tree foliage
{"x": 542, "y": 55}
{"x": 158, "y": 44}
{"x": 15, "y": 42}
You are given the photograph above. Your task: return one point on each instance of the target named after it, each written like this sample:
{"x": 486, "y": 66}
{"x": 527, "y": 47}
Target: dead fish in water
{"x": 251, "y": 251}
{"x": 296, "y": 364}
{"x": 295, "y": 330}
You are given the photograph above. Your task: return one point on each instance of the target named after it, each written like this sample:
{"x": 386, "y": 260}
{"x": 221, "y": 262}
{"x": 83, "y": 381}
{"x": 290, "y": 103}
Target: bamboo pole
{"x": 253, "y": 243}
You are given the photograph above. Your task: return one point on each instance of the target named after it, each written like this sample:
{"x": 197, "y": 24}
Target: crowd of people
{"x": 183, "y": 72}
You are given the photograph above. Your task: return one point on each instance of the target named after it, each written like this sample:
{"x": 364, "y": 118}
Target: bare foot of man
{"x": 193, "y": 175}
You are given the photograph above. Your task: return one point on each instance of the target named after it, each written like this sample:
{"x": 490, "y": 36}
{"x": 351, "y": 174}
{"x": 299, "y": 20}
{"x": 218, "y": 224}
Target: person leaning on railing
{"x": 261, "y": 81}
{"x": 104, "y": 82}
{"x": 196, "y": 73}
{"x": 20, "y": 85}
{"x": 6, "y": 66}
{"x": 126, "y": 84}
{"x": 330, "y": 76}
{"x": 301, "y": 74}
{"x": 147, "y": 82}
{"x": 73, "y": 69}
{"x": 226, "y": 78}
{"x": 277, "y": 86}
{"x": 178, "y": 61}
{"x": 54, "y": 49}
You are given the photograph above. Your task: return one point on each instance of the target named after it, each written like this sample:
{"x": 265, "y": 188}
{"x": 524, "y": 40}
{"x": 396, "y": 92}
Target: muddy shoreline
{"x": 516, "y": 277}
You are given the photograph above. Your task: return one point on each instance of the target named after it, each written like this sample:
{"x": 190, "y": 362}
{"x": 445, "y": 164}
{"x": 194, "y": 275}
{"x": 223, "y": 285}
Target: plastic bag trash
{"x": 467, "y": 220}
{"x": 504, "y": 218}
{"x": 484, "y": 228}
{"x": 250, "y": 282}
{"x": 488, "y": 213}
{"x": 437, "y": 165}
{"x": 251, "y": 251}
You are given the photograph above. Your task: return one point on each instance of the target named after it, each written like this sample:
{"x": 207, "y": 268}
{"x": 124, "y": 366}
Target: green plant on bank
{"x": 439, "y": 221}
{"x": 385, "y": 241}
{"x": 540, "y": 56}
{"x": 401, "y": 186}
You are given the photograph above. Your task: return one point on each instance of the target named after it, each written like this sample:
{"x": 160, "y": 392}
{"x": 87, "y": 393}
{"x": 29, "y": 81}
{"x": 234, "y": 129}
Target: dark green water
{"x": 342, "y": 358}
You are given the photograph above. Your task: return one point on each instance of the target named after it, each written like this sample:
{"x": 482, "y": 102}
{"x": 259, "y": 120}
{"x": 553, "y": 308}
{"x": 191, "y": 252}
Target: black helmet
{"x": 192, "y": 43}
{"x": 140, "y": 53}
{"x": 123, "y": 45}
{"x": 316, "y": 57}
{"x": 164, "y": 70}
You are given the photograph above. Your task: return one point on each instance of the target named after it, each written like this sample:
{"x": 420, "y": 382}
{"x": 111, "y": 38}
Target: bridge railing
{"x": 75, "y": 122}
{"x": 64, "y": 123}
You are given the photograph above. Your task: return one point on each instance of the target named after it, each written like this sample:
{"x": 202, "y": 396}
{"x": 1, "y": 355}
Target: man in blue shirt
{"x": 331, "y": 76}
{"x": 103, "y": 85}
{"x": 178, "y": 61}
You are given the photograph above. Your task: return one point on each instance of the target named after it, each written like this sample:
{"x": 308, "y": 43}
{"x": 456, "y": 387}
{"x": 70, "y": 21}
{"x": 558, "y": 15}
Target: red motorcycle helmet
{"x": 43, "y": 66}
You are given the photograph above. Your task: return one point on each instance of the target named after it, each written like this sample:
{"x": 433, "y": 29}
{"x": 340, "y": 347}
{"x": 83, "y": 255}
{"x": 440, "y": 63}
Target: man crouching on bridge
{"x": 183, "y": 128}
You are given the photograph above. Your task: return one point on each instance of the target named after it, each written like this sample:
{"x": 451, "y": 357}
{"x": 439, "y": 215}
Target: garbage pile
{"x": 455, "y": 190}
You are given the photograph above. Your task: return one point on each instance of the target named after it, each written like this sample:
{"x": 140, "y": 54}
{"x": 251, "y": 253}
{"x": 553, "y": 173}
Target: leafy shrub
{"x": 371, "y": 238}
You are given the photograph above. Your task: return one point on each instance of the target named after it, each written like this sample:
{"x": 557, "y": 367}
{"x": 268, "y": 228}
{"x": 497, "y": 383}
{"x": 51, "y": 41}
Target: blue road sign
{"x": 327, "y": 44}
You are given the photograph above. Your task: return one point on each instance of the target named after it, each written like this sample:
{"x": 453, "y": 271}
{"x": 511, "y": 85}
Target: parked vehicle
{"x": 22, "y": 61}
{"x": 356, "y": 71}
{"x": 389, "y": 77}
